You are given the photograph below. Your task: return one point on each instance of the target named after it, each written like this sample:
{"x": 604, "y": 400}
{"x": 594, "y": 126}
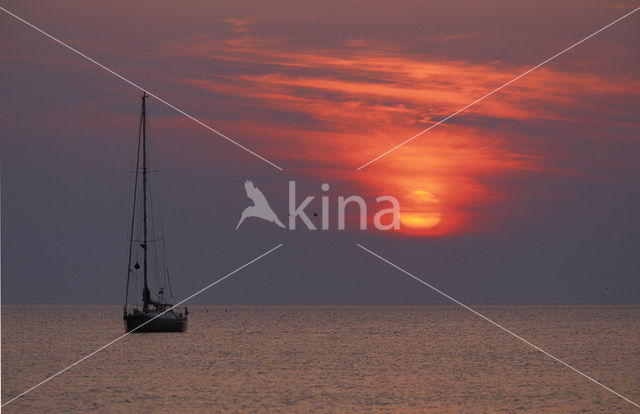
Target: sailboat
{"x": 147, "y": 269}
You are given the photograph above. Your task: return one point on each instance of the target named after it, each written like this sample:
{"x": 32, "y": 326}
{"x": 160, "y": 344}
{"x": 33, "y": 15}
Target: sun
{"x": 421, "y": 211}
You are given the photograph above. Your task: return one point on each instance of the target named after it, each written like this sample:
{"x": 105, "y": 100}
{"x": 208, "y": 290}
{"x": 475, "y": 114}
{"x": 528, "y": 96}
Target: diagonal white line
{"x": 496, "y": 324}
{"x": 127, "y": 333}
{"x": 498, "y": 88}
{"x": 135, "y": 85}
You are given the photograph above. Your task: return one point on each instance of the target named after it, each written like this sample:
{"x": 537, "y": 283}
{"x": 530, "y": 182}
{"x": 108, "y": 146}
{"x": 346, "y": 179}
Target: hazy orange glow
{"x": 421, "y": 211}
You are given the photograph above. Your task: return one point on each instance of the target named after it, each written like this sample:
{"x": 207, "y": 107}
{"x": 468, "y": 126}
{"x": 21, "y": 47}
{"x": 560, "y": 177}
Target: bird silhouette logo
{"x": 260, "y": 207}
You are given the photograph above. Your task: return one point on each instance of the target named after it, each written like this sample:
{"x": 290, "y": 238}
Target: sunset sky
{"x": 530, "y": 196}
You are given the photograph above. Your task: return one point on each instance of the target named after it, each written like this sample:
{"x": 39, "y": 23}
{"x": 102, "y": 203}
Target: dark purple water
{"x": 324, "y": 359}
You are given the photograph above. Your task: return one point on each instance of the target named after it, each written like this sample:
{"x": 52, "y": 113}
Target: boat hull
{"x": 160, "y": 324}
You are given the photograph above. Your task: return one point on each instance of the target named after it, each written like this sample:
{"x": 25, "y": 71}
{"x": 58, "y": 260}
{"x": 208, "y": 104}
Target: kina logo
{"x": 262, "y": 210}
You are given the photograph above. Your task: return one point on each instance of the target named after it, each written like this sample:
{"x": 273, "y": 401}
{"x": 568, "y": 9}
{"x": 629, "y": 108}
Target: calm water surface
{"x": 324, "y": 359}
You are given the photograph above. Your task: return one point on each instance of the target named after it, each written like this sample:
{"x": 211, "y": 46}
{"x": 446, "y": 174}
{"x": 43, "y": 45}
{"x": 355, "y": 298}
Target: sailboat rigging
{"x": 152, "y": 315}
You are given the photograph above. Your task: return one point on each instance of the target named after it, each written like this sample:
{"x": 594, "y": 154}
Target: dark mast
{"x": 142, "y": 142}
{"x": 146, "y": 295}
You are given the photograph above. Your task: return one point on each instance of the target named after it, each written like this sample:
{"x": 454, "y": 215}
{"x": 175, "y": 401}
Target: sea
{"x": 324, "y": 359}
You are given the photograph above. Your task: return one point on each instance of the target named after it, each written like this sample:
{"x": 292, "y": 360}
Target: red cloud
{"x": 359, "y": 101}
